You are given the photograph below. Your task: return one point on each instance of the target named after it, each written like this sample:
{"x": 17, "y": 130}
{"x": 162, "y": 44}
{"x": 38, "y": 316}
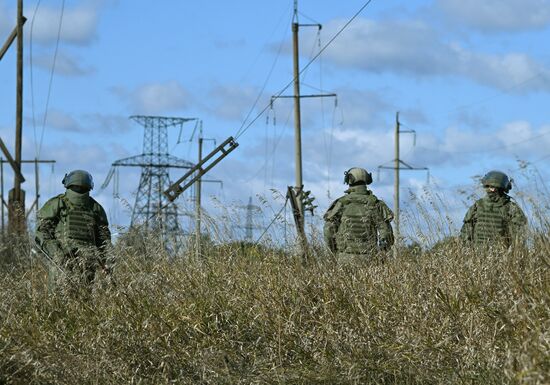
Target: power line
{"x": 32, "y": 77}
{"x": 265, "y": 82}
{"x": 241, "y": 130}
{"x": 497, "y": 147}
{"x": 51, "y": 76}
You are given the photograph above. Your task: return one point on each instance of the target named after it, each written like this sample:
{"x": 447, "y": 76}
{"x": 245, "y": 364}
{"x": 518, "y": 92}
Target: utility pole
{"x": 297, "y": 118}
{"x": 36, "y": 203}
{"x": 399, "y": 164}
{"x": 198, "y": 187}
{"x": 198, "y": 190}
{"x": 396, "y": 178}
{"x": 296, "y": 194}
{"x": 16, "y": 199}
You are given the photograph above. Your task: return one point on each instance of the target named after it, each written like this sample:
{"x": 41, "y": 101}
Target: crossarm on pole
{"x": 201, "y": 168}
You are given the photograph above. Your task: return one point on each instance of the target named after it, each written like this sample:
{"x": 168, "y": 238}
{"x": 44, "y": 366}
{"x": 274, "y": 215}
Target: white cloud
{"x": 79, "y": 24}
{"x": 460, "y": 148}
{"x": 400, "y": 46}
{"x": 108, "y": 123}
{"x": 64, "y": 64}
{"x": 508, "y": 71}
{"x": 498, "y": 15}
{"x": 62, "y": 121}
{"x": 155, "y": 98}
{"x": 414, "y": 48}
{"x": 232, "y": 102}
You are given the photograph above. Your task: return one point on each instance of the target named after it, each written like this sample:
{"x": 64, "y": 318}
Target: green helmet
{"x": 497, "y": 179}
{"x": 357, "y": 175}
{"x": 78, "y": 178}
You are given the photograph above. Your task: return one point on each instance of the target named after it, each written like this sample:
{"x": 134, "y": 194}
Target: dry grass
{"x": 253, "y": 315}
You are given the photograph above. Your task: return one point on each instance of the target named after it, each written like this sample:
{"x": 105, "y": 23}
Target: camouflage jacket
{"x": 358, "y": 223}
{"x": 71, "y": 221}
{"x": 494, "y": 219}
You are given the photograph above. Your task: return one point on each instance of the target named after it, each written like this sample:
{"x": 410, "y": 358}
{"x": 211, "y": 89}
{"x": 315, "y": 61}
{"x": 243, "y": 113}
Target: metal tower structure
{"x": 152, "y": 209}
{"x": 249, "y": 226}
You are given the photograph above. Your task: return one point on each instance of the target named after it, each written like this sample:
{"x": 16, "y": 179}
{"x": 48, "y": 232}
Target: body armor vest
{"x": 491, "y": 221}
{"x": 78, "y": 224}
{"x": 357, "y": 232}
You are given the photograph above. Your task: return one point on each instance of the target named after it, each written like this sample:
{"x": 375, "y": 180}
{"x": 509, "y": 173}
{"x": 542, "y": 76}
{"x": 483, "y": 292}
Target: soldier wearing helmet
{"x": 358, "y": 224}
{"x": 73, "y": 231}
{"x": 495, "y": 217}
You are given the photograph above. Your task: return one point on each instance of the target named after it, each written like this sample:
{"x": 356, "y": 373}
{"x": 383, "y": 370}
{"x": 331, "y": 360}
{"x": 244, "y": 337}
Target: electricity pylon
{"x": 249, "y": 226}
{"x": 152, "y": 210}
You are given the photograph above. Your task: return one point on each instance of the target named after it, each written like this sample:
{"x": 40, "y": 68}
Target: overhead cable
{"x": 243, "y": 130}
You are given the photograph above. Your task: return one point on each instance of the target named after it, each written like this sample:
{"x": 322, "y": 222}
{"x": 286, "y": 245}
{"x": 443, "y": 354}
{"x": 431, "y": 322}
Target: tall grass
{"x": 251, "y": 314}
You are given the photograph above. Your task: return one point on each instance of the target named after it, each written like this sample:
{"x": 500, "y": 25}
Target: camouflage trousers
{"x": 72, "y": 271}
{"x": 347, "y": 259}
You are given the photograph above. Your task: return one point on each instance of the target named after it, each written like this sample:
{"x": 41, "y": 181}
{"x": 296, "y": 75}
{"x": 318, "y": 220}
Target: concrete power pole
{"x": 198, "y": 187}
{"x": 398, "y": 165}
{"x": 198, "y": 192}
{"x": 296, "y": 194}
{"x": 297, "y": 120}
{"x": 396, "y": 182}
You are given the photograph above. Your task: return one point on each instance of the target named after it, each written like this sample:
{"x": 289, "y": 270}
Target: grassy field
{"x": 253, "y": 315}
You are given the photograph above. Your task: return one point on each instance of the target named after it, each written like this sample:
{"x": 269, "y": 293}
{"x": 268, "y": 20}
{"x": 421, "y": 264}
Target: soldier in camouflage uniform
{"x": 73, "y": 232}
{"x": 357, "y": 225}
{"x": 495, "y": 217}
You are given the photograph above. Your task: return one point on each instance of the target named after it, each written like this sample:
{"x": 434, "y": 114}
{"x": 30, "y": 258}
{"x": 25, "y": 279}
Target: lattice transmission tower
{"x": 249, "y": 227}
{"x": 152, "y": 210}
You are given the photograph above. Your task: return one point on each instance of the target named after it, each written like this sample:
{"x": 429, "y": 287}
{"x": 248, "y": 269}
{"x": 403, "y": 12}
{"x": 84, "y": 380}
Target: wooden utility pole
{"x": 36, "y": 203}
{"x": 198, "y": 188}
{"x": 16, "y": 207}
{"x": 398, "y": 165}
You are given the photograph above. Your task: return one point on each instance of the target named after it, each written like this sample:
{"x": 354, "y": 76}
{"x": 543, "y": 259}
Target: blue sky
{"x": 471, "y": 78}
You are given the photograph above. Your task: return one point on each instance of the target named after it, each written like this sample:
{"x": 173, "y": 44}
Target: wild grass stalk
{"x": 257, "y": 315}
{"x": 253, "y": 314}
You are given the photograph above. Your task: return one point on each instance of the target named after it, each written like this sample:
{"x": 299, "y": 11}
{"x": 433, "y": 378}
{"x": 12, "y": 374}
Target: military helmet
{"x": 357, "y": 175}
{"x": 497, "y": 179}
{"x": 78, "y": 178}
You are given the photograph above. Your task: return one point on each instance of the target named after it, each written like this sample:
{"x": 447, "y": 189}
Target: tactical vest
{"x": 357, "y": 233}
{"x": 491, "y": 221}
{"x": 78, "y": 224}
